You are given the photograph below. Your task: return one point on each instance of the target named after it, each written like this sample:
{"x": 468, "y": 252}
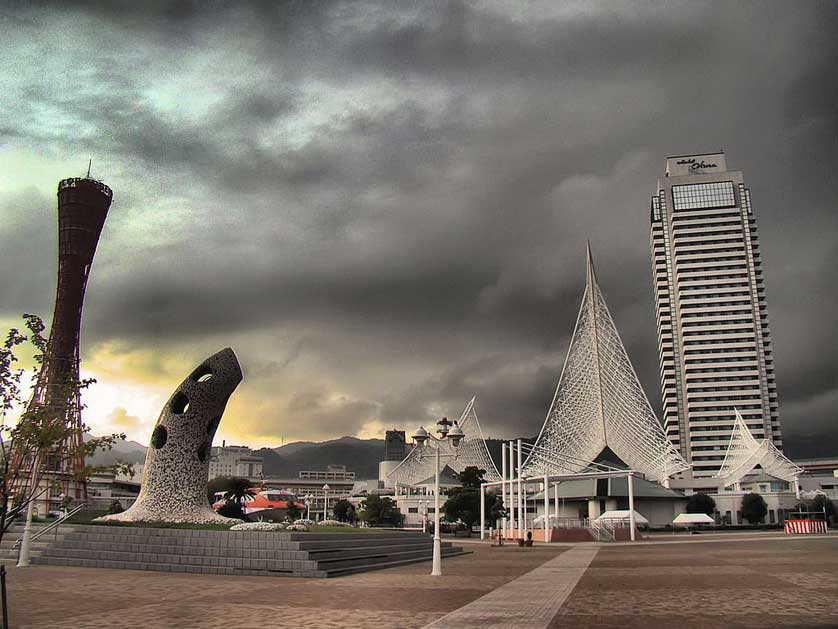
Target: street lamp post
{"x": 308, "y": 498}
{"x": 326, "y": 502}
{"x": 453, "y": 434}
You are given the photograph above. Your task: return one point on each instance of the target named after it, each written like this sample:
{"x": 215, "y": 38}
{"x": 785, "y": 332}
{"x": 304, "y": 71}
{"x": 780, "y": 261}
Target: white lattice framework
{"x": 599, "y": 402}
{"x": 472, "y": 452}
{"x": 745, "y": 452}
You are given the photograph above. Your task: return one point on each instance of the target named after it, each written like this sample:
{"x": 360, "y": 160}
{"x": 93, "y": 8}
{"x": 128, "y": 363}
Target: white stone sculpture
{"x": 174, "y": 485}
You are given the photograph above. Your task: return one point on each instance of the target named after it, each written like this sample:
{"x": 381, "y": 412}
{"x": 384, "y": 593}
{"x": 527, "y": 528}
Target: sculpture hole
{"x": 180, "y": 403}
{"x": 202, "y": 452}
{"x": 158, "y": 437}
{"x": 212, "y": 426}
{"x": 202, "y": 374}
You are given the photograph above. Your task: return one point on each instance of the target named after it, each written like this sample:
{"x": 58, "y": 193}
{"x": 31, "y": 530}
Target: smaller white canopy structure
{"x": 415, "y": 469}
{"x": 621, "y": 515}
{"x": 689, "y": 519}
{"x": 745, "y": 452}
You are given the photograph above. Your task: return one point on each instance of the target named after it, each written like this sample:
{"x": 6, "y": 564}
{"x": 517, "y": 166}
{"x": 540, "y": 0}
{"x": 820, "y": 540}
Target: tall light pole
{"x": 308, "y": 498}
{"x": 325, "y": 502}
{"x": 453, "y": 434}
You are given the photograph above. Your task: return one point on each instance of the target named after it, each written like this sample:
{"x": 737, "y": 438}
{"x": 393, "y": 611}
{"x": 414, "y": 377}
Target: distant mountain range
{"x": 358, "y": 455}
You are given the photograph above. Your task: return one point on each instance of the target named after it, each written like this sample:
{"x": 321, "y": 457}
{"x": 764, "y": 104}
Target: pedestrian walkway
{"x": 531, "y": 600}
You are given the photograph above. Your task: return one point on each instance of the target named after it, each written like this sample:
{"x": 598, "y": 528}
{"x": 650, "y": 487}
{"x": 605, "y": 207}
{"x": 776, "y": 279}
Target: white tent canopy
{"x": 621, "y": 515}
{"x": 688, "y": 519}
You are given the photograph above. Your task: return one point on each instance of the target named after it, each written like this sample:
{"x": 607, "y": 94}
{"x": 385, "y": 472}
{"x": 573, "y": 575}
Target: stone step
{"x": 364, "y": 550}
{"x": 226, "y": 552}
{"x": 374, "y": 558}
{"x": 339, "y": 572}
{"x": 171, "y": 567}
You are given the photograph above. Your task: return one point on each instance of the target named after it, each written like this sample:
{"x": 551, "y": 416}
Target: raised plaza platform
{"x": 250, "y": 553}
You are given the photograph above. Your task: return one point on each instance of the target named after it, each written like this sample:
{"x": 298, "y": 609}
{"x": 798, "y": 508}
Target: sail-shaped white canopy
{"x": 600, "y": 403}
{"x": 745, "y": 452}
{"x": 472, "y": 452}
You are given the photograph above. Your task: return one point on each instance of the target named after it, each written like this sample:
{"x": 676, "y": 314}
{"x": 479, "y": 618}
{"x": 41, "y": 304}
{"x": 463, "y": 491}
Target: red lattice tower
{"x": 83, "y": 205}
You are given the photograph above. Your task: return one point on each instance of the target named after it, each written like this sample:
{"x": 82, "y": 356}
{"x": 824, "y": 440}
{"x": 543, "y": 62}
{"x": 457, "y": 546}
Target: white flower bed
{"x": 258, "y": 526}
{"x": 332, "y": 523}
{"x": 304, "y": 522}
{"x": 296, "y": 527}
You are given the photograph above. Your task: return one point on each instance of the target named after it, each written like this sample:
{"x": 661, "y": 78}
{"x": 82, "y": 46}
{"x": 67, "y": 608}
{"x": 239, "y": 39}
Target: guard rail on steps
{"x": 53, "y": 525}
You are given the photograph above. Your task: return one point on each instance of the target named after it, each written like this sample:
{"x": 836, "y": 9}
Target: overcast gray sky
{"x": 382, "y": 207}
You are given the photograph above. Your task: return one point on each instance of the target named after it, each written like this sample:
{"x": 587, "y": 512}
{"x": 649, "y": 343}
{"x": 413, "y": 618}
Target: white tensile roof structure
{"x": 471, "y": 452}
{"x": 688, "y": 519}
{"x": 600, "y": 403}
{"x": 621, "y": 515}
{"x": 745, "y": 452}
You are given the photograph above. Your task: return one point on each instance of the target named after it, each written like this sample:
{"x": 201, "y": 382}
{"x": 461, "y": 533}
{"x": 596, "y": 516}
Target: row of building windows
{"x": 739, "y": 407}
{"x": 733, "y": 359}
{"x": 689, "y": 288}
{"x": 703, "y": 195}
{"x": 692, "y": 389}
{"x": 718, "y": 304}
{"x": 714, "y": 277}
{"x": 716, "y": 313}
{"x": 741, "y": 293}
{"x": 684, "y": 226}
{"x": 701, "y": 217}
{"x": 741, "y": 340}
{"x": 709, "y": 322}
{"x": 744, "y": 378}
{"x": 726, "y": 331}
{"x": 721, "y": 398}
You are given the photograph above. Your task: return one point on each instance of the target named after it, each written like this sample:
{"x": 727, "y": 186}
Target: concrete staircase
{"x": 310, "y": 554}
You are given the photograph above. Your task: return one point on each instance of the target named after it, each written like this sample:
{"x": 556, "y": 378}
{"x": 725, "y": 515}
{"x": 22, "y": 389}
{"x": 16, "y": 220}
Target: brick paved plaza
{"x": 754, "y": 581}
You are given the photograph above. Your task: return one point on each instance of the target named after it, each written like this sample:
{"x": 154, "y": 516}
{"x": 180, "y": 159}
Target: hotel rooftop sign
{"x": 704, "y": 163}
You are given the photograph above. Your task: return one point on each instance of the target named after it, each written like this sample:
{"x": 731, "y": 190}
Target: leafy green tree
{"x": 754, "y": 508}
{"x": 380, "y": 511}
{"x": 39, "y": 438}
{"x": 345, "y": 511}
{"x": 236, "y": 487}
{"x": 823, "y": 504}
{"x": 292, "y": 511}
{"x": 463, "y": 505}
{"x": 497, "y": 510}
{"x": 472, "y": 477}
{"x": 701, "y": 503}
{"x": 232, "y": 509}
{"x": 236, "y": 491}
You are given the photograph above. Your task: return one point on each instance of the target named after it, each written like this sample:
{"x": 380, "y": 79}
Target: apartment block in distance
{"x": 713, "y": 337}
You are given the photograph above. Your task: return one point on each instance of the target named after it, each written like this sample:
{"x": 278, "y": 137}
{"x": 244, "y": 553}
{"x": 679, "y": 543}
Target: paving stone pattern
{"x": 530, "y": 601}
{"x": 406, "y": 597}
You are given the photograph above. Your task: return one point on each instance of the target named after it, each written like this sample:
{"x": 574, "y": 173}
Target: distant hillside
{"x": 358, "y": 455}
{"x": 122, "y": 452}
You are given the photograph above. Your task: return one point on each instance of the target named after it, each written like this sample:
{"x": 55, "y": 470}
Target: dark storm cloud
{"x": 408, "y": 186}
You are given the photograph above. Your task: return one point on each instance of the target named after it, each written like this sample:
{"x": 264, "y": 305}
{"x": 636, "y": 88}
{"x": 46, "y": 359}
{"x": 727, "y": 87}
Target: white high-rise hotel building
{"x": 713, "y": 339}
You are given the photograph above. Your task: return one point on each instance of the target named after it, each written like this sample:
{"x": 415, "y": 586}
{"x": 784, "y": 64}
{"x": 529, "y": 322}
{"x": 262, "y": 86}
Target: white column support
{"x": 505, "y": 519}
{"x": 522, "y": 516}
{"x": 556, "y": 499}
{"x": 546, "y": 510}
{"x": 436, "y": 570}
{"x": 26, "y": 543}
{"x": 632, "y": 523}
{"x": 513, "y": 520}
{"x": 482, "y": 512}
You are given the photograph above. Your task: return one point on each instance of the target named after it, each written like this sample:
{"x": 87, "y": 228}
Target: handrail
{"x": 53, "y": 525}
